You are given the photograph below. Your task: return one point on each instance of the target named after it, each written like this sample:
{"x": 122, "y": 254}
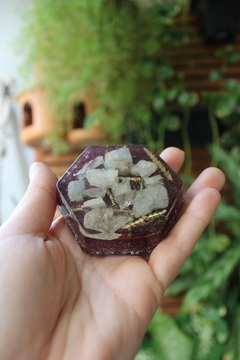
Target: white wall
{"x": 14, "y": 165}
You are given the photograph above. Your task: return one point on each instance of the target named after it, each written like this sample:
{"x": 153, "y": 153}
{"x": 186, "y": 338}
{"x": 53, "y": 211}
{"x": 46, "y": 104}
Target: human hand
{"x": 59, "y": 303}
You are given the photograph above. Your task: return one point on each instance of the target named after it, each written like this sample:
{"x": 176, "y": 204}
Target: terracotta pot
{"x": 38, "y": 121}
{"x": 82, "y": 138}
{"x": 78, "y": 136}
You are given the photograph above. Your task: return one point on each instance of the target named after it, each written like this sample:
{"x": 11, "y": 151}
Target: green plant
{"x": 114, "y": 51}
{"x": 165, "y": 340}
{"x": 209, "y": 279}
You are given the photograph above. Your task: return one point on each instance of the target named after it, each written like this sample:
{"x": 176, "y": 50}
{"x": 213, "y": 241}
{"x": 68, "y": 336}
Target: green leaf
{"x": 224, "y": 52}
{"x": 146, "y": 354}
{"x": 230, "y": 167}
{"x": 94, "y": 118}
{"x": 231, "y": 84}
{"x": 180, "y": 284}
{"x": 187, "y": 179}
{"x": 232, "y": 351}
{"x": 227, "y": 212}
{"x": 168, "y": 340}
{"x": 187, "y": 99}
{"x": 172, "y": 93}
{"x": 225, "y": 106}
{"x": 220, "y": 53}
{"x": 228, "y": 138}
{"x": 235, "y": 152}
{"x": 184, "y": 99}
{"x": 146, "y": 68}
{"x": 215, "y": 75}
{"x": 151, "y": 47}
{"x": 165, "y": 72}
{"x": 210, "y": 281}
{"x": 173, "y": 122}
{"x": 56, "y": 144}
{"x": 202, "y": 327}
{"x": 158, "y": 103}
{"x": 234, "y": 58}
{"x": 194, "y": 98}
{"x": 220, "y": 242}
{"x": 222, "y": 332}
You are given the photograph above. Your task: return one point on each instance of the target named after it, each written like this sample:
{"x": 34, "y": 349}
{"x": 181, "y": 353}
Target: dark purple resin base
{"x": 140, "y": 235}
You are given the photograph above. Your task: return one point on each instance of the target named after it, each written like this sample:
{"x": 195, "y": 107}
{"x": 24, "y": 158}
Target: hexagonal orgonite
{"x": 119, "y": 199}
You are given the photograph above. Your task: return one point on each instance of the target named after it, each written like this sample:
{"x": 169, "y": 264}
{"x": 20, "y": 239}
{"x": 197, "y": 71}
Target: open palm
{"x": 58, "y": 303}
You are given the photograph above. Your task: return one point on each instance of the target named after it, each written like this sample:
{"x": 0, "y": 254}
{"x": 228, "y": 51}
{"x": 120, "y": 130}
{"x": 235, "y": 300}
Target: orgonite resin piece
{"x": 119, "y": 199}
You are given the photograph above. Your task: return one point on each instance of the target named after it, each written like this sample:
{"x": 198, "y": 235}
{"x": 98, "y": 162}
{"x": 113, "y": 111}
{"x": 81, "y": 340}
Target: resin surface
{"x": 121, "y": 199}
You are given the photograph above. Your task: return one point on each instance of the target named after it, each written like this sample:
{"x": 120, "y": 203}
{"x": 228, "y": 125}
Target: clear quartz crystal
{"x": 144, "y": 168}
{"x": 94, "y": 203}
{"x": 149, "y": 199}
{"x": 120, "y": 159}
{"x": 154, "y": 180}
{"x": 125, "y": 200}
{"x": 106, "y": 222}
{"x": 95, "y": 192}
{"x": 102, "y": 178}
{"x": 122, "y": 188}
{"x": 75, "y": 190}
{"x": 123, "y": 194}
{"x": 92, "y": 164}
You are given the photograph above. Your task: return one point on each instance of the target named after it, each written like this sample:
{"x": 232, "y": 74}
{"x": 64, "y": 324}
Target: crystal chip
{"x": 122, "y": 188}
{"x": 153, "y": 180}
{"x": 135, "y": 199}
{"x": 144, "y": 168}
{"x": 75, "y": 190}
{"x": 106, "y": 222}
{"x": 123, "y": 194}
{"x": 102, "y": 178}
{"x": 95, "y": 192}
{"x": 92, "y": 164}
{"x": 149, "y": 199}
{"x": 94, "y": 203}
{"x": 120, "y": 159}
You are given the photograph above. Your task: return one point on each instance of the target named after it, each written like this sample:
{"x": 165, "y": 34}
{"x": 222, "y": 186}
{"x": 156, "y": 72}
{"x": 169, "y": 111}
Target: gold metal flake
{"x": 145, "y": 220}
{"x": 141, "y": 186}
{"x": 77, "y": 209}
{"x": 111, "y": 197}
{"x": 166, "y": 173}
{"x": 130, "y": 178}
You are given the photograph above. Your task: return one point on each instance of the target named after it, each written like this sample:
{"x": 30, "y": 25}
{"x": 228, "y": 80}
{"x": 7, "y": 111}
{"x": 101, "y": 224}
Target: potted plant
{"x": 38, "y": 121}
{"x": 113, "y": 50}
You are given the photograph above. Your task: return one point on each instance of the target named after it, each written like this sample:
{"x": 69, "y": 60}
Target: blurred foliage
{"x": 209, "y": 280}
{"x": 165, "y": 340}
{"x": 113, "y": 51}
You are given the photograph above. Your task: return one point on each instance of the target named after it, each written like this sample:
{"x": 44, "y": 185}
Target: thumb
{"x": 35, "y": 212}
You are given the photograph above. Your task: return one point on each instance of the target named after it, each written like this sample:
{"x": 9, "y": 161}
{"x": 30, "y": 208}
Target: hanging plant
{"x": 113, "y": 50}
